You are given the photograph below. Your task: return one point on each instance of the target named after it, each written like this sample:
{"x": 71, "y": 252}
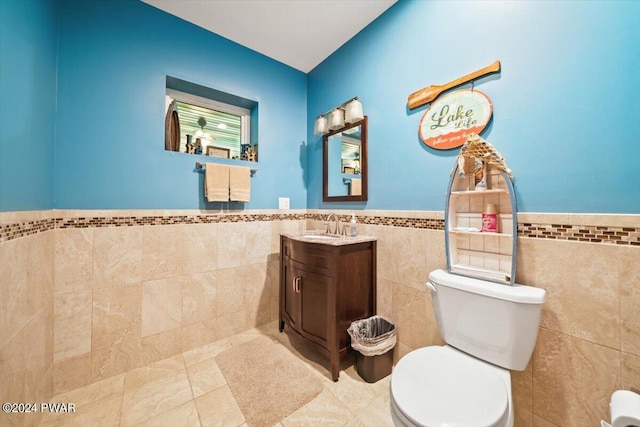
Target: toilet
{"x": 489, "y": 329}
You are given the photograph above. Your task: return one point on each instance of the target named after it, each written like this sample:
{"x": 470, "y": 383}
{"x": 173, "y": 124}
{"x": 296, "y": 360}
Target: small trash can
{"x": 373, "y": 339}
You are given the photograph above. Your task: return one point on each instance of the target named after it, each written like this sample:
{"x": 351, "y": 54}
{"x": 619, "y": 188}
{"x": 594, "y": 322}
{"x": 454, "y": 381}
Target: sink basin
{"x": 320, "y": 236}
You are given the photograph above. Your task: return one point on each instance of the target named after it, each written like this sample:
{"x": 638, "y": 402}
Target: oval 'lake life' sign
{"x": 450, "y": 120}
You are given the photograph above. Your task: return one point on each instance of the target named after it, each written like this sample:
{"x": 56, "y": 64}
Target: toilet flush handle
{"x": 431, "y": 287}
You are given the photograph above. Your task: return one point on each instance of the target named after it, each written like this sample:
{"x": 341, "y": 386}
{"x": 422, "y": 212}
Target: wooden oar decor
{"x": 428, "y": 94}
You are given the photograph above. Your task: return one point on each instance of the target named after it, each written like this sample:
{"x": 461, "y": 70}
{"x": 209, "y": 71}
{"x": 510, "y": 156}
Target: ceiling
{"x": 299, "y": 33}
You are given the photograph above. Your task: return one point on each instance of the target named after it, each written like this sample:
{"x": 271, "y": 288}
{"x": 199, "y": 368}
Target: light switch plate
{"x": 283, "y": 203}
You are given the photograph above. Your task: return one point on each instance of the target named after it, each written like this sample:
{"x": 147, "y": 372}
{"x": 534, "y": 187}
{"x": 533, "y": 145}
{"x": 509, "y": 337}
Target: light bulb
{"x": 321, "y": 126}
{"x": 354, "y": 111}
{"x": 336, "y": 119}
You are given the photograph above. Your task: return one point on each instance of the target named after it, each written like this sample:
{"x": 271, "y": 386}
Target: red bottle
{"x": 490, "y": 218}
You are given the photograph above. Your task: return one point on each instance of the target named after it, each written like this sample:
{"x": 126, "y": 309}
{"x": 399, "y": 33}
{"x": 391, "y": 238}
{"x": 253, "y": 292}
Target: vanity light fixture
{"x": 348, "y": 112}
{"x": 353, "y": 112}
{"x": 336, "y": 119}
{"x": 322, "y": 126}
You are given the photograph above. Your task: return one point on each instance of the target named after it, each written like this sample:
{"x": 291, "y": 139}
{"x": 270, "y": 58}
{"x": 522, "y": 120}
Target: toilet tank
{"x": 493, "y": 322}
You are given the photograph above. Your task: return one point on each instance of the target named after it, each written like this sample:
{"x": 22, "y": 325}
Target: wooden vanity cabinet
{"x": 323, "y": 288}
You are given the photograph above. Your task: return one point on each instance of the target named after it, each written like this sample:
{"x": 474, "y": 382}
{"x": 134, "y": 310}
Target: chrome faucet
{"x": 328, "y": 229}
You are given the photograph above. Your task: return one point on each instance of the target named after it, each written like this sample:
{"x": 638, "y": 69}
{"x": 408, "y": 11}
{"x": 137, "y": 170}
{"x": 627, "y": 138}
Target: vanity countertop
{"x": 312, "y": 236}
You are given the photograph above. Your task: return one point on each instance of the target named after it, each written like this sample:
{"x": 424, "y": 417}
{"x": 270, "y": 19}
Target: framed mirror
{"x": 344, "y": 170}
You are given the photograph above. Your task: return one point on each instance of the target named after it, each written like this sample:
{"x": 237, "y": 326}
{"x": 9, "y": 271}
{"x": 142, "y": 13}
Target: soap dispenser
{"x": 354, "y": 232}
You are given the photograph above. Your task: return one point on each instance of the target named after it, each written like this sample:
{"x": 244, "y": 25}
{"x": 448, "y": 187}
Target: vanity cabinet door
{"x": 313, "y": 293}
{"x": 291, "y": 306}
{"x": 305, "y": 304}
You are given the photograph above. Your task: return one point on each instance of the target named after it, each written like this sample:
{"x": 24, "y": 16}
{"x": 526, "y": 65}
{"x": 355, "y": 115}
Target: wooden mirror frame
{"x": 363, "y": 164}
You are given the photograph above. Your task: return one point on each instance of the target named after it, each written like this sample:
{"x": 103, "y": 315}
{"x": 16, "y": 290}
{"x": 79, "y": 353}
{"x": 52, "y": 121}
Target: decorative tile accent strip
{"x": 17, "y": 230}
{"x": 22, "y": 229}
{"x": 131, "y": 221}
{"x": 581, "y": 233}
{"x": 392, "y": 221}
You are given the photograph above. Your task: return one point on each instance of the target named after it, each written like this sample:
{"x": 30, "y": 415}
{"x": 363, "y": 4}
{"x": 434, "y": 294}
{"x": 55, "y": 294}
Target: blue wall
{"x": 27, "y": 103}
{"x": 114, "y": 57}
{"x": 566, "y": 104}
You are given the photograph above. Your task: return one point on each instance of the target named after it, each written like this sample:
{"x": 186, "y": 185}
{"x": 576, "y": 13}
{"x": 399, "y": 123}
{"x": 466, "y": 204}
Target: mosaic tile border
{"x": 581, "y": 233}
{"x": 131, "y": 221}
{"x": 391, "y": 221}
{"x": 22, "y": 229}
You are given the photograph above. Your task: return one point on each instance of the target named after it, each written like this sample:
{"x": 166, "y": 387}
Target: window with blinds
{"x": 210, "y": 127}
{"x": 215, "y": 128}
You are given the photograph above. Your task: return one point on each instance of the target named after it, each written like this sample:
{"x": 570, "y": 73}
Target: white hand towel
{"x": 356, "y": 187}
{"x": 216, "y": 182}
{"x": 239, "y": 183}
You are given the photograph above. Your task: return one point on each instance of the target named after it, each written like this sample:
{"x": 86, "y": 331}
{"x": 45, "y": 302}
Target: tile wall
{"x": 131, "y": 294}
{"x": 89, "y": 295}
{"x": 589, "y": 338}
{"x": 26, "y": 321}
{"x": 115, "y": 290}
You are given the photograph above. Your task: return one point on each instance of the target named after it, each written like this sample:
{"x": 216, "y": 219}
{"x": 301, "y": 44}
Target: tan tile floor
{"x": 189, "y": 390}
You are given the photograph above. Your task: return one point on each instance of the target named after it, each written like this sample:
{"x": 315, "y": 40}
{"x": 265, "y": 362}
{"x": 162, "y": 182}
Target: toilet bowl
{"x": 441, "y": 386}
{"x": 489, "y": 329}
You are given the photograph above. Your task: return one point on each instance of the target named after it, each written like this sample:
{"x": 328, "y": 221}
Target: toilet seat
{"x": 441, "y": 386}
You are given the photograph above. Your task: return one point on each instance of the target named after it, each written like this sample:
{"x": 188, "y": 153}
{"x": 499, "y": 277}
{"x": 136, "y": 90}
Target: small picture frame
{"x": 347, "y": 169}
{"x": 222, "y": 153}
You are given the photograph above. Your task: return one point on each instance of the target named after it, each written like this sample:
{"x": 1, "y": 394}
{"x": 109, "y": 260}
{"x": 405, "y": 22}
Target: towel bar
{"x": 200, "y": 167}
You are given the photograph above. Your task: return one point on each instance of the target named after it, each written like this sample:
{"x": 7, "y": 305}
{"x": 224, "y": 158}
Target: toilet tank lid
{"x": 516, "y": 293}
